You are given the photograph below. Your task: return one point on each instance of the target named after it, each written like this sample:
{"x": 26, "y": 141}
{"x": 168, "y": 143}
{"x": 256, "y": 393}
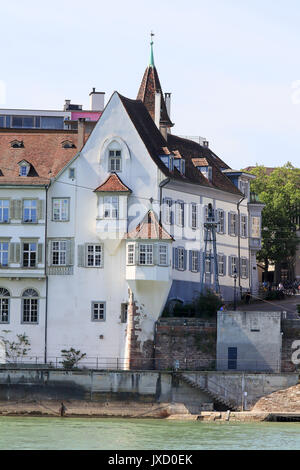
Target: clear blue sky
{"x": 230, "y": 65}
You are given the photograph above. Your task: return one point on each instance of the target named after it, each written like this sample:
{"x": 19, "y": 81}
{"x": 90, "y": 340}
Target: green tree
{"x": 279, "y": 190}
{"x": 71, "y": 357}
{"x": 17, "y": 349}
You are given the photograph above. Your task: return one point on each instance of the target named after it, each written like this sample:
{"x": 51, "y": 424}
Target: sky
{"x": 232, "y": 66}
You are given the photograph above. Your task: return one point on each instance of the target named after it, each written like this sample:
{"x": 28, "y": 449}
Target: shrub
{"x": 72, "y": 357}
{"x": 207, "y": 304}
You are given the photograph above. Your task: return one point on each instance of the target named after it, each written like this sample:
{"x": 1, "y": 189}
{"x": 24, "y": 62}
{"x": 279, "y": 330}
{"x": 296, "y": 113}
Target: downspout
{"x": 161, "y": 185}
{"x": 239, "y": 243}
{"x": 46, "y": 275}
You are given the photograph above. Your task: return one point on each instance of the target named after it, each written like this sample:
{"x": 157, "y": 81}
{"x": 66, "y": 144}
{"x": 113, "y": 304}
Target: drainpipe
{"x": 45, "y": 270}
{"x": 239, "y": 243}
{"x": 161, "y": 185}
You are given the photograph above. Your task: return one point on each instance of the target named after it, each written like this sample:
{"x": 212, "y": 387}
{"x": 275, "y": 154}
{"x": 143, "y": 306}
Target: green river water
{"x": 142, "y": 434}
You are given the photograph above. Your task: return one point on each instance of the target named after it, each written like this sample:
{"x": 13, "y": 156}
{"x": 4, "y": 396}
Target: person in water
{"x": 62, "y": 410}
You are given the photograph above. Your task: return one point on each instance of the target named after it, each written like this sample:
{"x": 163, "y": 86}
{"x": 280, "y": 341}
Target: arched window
{"x": 30, "y": 304}
{"x": 114, "y": 157}
{"x": 4, "y": 305}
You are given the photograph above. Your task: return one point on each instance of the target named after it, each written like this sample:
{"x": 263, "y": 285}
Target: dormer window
{"x": 179, "y": 163}
{"x": 24, "y": 168}
{"x": 68, "y": 144}
{"x": 114, "y": 160}
{"x": 206, "y": 171}
{"x": 168, "y": 161}
{"x": 16, "y": 144}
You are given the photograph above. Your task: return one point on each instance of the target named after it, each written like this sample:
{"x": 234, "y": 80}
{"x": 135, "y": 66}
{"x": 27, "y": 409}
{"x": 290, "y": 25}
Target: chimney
{"x": 67, "y": 104}
{"x": 96, "y": 100}
{"x": 81, "y": 133}
{"x": 168, "y": 103}
{"x": 157, "y": 107}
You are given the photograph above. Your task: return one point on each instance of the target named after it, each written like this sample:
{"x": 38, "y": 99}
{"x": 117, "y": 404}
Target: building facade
{"x": 98, "y": 233}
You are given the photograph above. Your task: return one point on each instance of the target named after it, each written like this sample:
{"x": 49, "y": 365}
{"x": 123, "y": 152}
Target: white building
{"x": 94, "y": 240}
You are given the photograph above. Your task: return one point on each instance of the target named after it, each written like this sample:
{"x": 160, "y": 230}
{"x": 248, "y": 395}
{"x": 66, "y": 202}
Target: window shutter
{"x": 173, "y": 258}
{"x": 11, "y": 209}
{"x": 81, "y": 256}
{"x": 155, "y": 253}
{"x": 247, "y": 268}
{"x": 224, "y": 261}
{"x": 11, "y": 252}
{"x": 40, "y": 253}
{"x": 70, "y": 253}
{"x": 172, "y": 213}
{"x": 137, "y": 253}
{"x": 190, "y": 259}
{"x": 230, "y": 265}
{"x": 229, "y": 223}
{"x": 184, "y": 259}
{"x": 199, "y": 261}
{"x": 17, "y": 209}
{"x": 237, "y": 266}
{"x": 224, "y": 221}
{"x": 17, "y": 253}
{"x": 49, "y": 252}
{"x": 176, "y": 258}
{"x": 237, "y": 225}
{"x": 40, "y": 209}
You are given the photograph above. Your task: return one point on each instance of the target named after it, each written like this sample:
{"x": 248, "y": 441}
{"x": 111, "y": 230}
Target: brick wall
{"x": 190, "y": 342}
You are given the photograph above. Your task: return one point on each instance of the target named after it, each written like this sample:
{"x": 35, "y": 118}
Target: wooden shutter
{"x": 224, "y": 262}
{"x": 11, "y": 253}
{"x": 40, "y": 209}
{"x": 155, "y": 253}
{"x": 70, "y": 253}
{"x": 17, "y": 211}
{"x": 40, "y": 256}
{"x": 190, "y": 260}
{"x": 229, "y": 223}
{"x": 81, "y": 256}
{"x": 230, "y": 265}
{"x": 17, "y": 253}
{"x": 11, "y": 209}
{"x": 184, "y": 259}
{"x": 199, "y": 261}
{"x": 176, "y": 258}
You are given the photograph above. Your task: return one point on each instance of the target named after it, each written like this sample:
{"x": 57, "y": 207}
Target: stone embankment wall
{"x": 185, "y": 343}
{"x": 291, "y": 333}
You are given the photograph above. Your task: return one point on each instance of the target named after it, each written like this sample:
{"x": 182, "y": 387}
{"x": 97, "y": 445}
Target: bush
{"x": 275, "y": 295}
{"x": 72, "y": 357}
{"x": 207, "y": 304}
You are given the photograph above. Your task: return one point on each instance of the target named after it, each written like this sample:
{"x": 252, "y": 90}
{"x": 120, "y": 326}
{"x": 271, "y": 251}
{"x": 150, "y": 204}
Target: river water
{"x": 142, "y": 434}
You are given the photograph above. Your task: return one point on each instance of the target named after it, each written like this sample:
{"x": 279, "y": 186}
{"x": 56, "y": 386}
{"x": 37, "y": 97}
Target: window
{"x": 168, "y": 211}
{"x": 111, "y": 207}
{"x": 162, "y": 255}
{"x": 255, "y": 227}
{"x": 94, "y": 255}
{"x": 98, "y": 311}
{"x": 30, "y": 306}
{"x": 115, "y": 160}
{"x": 24, "y": 170}
{"x": 180, "y": 213}
{"x": 208, "y": 266}
{"x": 59, "y": 253}
{"x": 181, "y": 259}
{"x": 29, "y": 255}
{"x": 4, "y": 210}
{"x": 4, "y": 305}
{"x": 146, "y": 254}
{"x": 72, "y": 173}
{"x": 232, "y": 224}
{"x": 194, "y": 216}
{"x": 60, "y": 210}
{"x": 243, "y": 226}
{"x": 244, "y": 187}
{"x": 124, "y": 312}
{"x": 30, "y": 210}
{"x": 234, "y": 266}
{"x": 221, "y": 224}
{"x": 4, "y": 254}
{"x": 244, "y": 268}
{"x": 221, "y": 265}
{"x": 131, "y": 253}
{"x": 195, "y": 261}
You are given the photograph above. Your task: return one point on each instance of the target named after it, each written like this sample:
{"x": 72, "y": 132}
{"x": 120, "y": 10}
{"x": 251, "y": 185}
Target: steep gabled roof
{"x": 149, "y": 229}
{"x": 113, "y": 184}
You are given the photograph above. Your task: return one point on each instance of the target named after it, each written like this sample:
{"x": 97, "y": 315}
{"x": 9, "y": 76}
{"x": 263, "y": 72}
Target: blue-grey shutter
{"x": 190, "y": 259}
{"x": 237, "y": 265}
{"x": 199, "y": 261}
{"x": 224, "y": 261}
{"x": 230, "y": 265}
{"x": 237, "y": 225}
{"x": 247, "y": 268}
{"x": 155, "y": 253}
{"x": 172, "y": 213}
{"x": 176, "y": 258}
{"x": 184, "y": 259}
{"x": 81, "y": 255}
{"x": 229, "y": 223}
{"x": 40, "y": 253}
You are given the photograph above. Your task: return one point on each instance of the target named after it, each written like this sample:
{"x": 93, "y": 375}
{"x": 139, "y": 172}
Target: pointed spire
{"x": 151, "y": 62}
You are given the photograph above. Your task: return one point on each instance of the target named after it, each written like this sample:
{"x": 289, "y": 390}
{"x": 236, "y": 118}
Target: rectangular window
{"x": 221, "y": 224}
{"x": 115, "y": 160}
{"x": 59, "y": 253}
{"x": 29, "y": 255}
{"x": 94, "y": 255}
{"x": 60, "y": 210}
{"x": 111, "y": 207}
{"x": 181, "y": 259}
{"x": 195, "y": 261}
{"x": 244, "y": 269}
{"x": 72, "y": 173}
{"x": 146, "y": 254}
{"x": 131, "y": 253}
{"x": 98, "y": 311}
{"x": 162, "y": 255}
{"x": 4, "y": 310}
{"x": 194, "y": 216}
{"x": 255, "y": 227}
{"x": 233, "y": 224}
{"x": 4, "y": 210}
{"x": 243, "y": 226}
{"x": 180, "y": 213}
{"x": 124, "y": 312}
{"x": 30, "y": 211}
{"x": 4, "y": 254}
{"x": 168, "y": 211}
{"x": 221, "y": 265}
{"x": 30, "y": 310}
{"x": 234, "y": 265}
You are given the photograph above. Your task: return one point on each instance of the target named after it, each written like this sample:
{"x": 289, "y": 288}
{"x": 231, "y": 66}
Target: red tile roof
{"x": 149, "y": 229}
{"x": 42, "y": 149}
{"x": 113, "y": 183}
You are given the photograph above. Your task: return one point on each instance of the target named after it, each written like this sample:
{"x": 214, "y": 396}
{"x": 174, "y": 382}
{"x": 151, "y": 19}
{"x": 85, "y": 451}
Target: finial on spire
{"x": 151, "y": 63}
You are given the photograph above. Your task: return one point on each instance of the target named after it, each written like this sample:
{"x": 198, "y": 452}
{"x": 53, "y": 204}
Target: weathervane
{"x": 152, "y": 34}
{"x": 151, "y": 62}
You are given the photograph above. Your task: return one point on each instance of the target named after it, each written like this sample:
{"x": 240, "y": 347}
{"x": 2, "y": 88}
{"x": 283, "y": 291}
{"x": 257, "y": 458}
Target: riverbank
{"x": 80, "y": 409}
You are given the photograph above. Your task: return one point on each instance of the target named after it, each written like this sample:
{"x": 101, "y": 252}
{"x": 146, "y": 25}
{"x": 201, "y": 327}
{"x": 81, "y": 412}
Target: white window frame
{"x": 3, "y": 250}
{"x": 233, "y": 224}
{"x": 60, "y": 209}
{"x": 195, "y": 261}
{"x": 244, "y": 268}
{"x": 180, "y": 254}
{"x": 32, "y": 252}
{"x": 4, "y": 305}
{"x": 130, "y": 257}
{"x": 4, "y": 206}
{"x": 243, "y": 226}
{"x": 32, "y": 303}
{"x": 234, "y": 264}
{"x": 221, "y": 225}
{"x": 115, "y": 160}
{"x": 180, "y": 213}
{"x": 98, "y": 310}
{"x": 94, "y": 255}
{"x": 146, "y": 250}
{"x": 221, "y": 264}
{"x": 163, "y": 255}
{"x": 194, "y": 216}
{"x": 111, "y": 207}
{"x": 61, "y": 250}
{"x": 33, "y": 210}
{"x": 168, "y": 211}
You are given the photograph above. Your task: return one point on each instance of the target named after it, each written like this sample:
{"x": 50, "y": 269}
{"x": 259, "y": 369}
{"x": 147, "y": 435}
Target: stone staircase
{"x": 216, "y": 397}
